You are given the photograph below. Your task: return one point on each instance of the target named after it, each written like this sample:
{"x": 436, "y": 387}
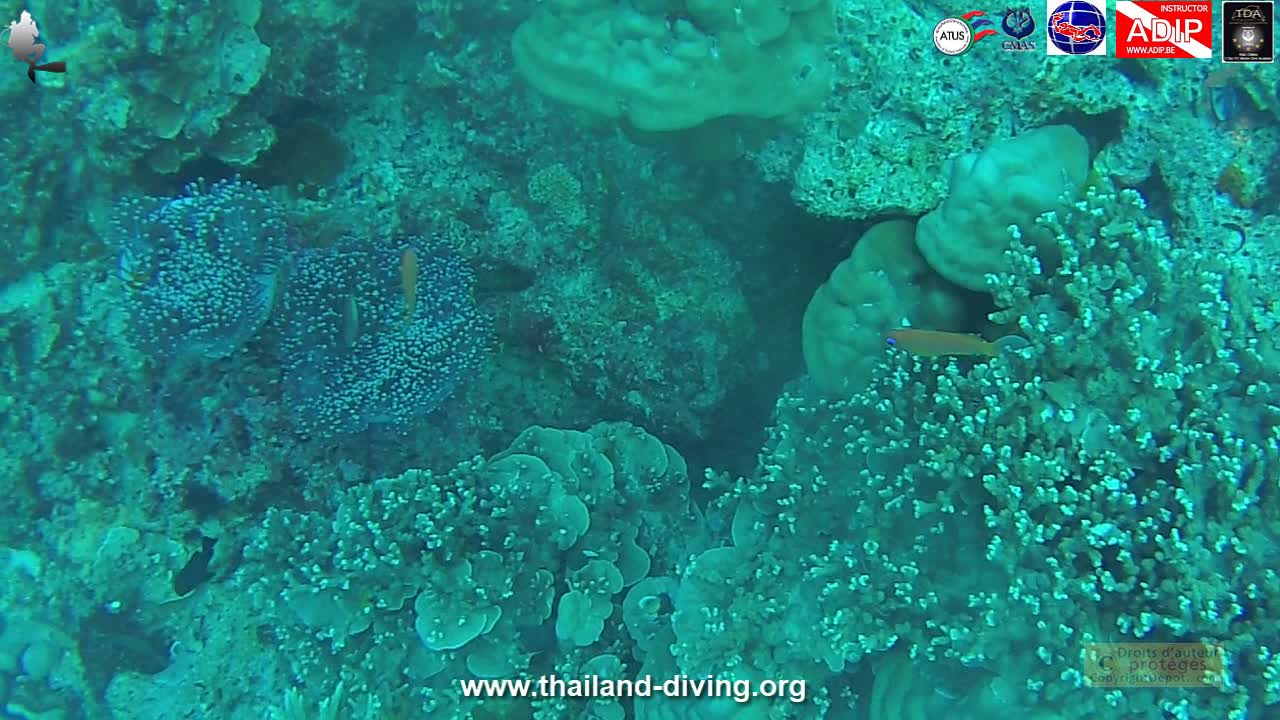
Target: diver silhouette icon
{"x": 22, "y": 41}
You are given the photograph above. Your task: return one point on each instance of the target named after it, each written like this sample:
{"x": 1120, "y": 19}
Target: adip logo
{"x": 1077, "y": 27}
{"x": 22, "y": 41}
{"x": 1248, "y": 31}
{"x": 1159, "y": 29}
{"x": 1019, "y": 25}
{"x": 955, "y": 35}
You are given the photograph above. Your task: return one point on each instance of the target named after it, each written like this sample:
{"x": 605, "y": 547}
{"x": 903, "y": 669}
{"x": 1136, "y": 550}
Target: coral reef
{"x": 1010, "y": 183}
{"x": 883, "y": 284}
{"x": 991, "y": 517}
{"x": 459, "y": 368}
{"x": 672, "y": 66}
{"x": 497, "y": 560}
{"x": 377, "y": 334}
{"x": 204, "y": 270}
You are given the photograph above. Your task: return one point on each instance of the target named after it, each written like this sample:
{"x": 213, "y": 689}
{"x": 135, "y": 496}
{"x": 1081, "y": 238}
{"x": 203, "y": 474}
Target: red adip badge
{"x": 1149, "y": 29}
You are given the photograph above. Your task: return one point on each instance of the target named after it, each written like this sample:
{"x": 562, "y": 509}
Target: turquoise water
{"x": 636, "y": 359}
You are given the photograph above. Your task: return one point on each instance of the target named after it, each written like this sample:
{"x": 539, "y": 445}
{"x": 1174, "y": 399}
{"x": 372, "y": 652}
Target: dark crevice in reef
{"x": 112, "y": 643}
{"x": 792, "y": 259}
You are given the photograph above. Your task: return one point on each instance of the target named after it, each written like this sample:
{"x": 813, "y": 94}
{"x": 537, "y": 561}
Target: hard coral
{"x": 1009, "y": 183}
{"x": 675, "y": 68}
{"x": 1112, "y": 481}
{"x": 882, "y": 284}
{"x": 490, "y": 557}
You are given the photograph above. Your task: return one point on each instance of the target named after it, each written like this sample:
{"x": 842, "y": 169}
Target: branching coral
{"x": 493, "y": 561}
{"x": 1113, "y": 480}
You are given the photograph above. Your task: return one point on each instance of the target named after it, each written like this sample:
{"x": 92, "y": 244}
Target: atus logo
{"x": 955, "y": 35}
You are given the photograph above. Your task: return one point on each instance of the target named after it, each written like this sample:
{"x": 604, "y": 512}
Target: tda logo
{"x": 1250, "y": 13}
{"x": 1147, "y": 29}
{"x": 1248, "y": 32}
{"x": 955, "y": 35}
{"x": 1019, "y": 25}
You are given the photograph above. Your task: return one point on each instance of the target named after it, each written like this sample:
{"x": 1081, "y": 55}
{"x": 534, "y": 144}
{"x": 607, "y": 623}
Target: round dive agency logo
{"x": 1077, "y": 27}
{"x": 955, "y": 35}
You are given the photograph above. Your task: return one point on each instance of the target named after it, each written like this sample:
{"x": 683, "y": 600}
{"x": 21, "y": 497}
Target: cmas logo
{"x": 1019, "y": 25}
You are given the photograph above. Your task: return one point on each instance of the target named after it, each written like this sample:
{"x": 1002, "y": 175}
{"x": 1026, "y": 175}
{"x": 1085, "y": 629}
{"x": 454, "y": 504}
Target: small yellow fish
{"x": 409, "y": 282}
{"x": 349, "y": 325}
{"x": 931, "y": 343}
{"x": 134, "y": 277}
